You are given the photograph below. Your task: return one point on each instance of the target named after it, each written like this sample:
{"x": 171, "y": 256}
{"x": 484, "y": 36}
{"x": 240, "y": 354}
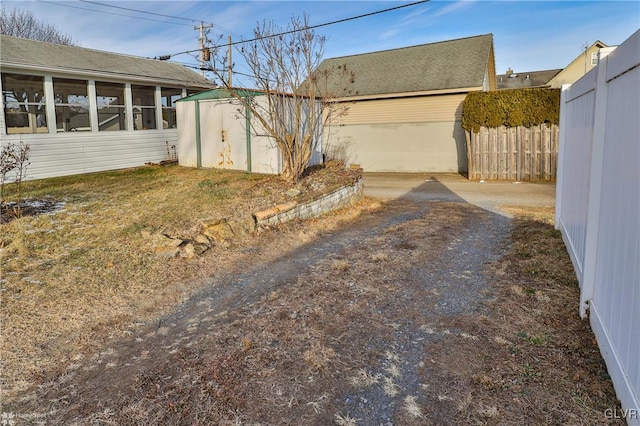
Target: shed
{"x": 217, "y": 131}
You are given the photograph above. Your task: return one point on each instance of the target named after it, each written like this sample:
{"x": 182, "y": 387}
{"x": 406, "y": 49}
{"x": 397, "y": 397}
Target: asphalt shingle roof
{"x": 23, "y": 53}
{"x": 449, "y": 64}
{"x": 525, "y": 79}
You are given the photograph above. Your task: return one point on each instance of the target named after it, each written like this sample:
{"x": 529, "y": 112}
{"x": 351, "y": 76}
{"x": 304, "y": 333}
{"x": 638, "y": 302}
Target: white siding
{"x": 84, "y": 152}
{"x": 417, "y": 109}
{"x": 598, "y": 209}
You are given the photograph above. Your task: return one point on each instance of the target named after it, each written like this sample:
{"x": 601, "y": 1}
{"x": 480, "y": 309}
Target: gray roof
{"x": 48, "y": 57}
{"x": 452, "y": 64}
{"x": 525, "y": 79}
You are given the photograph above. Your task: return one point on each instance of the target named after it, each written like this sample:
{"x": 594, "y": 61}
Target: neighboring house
{"x": 217, "y": 131}
{"x": 529, "y": 79}
{"x": 405, "y": 105}
{"x": 83, "y": 110}
{"x": 578, "y": 67}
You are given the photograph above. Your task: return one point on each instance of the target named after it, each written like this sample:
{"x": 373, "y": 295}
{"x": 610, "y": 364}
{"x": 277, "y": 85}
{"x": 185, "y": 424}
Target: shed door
{"x": 223, "y": 135}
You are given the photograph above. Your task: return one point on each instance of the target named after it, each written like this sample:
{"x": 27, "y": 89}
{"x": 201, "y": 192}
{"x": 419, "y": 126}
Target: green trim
{"x": 248, "y": 125}
{"x": 219, "y": 94}
{"x": 198, "y": 140}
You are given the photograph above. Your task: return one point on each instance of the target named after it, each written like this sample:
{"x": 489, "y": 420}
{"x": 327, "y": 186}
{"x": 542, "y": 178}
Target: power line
{"x": 306, "y": 28}
{"x": 113, "y": 13}
{"x": 159, "y": 14}
{"x": 142, "y": 11}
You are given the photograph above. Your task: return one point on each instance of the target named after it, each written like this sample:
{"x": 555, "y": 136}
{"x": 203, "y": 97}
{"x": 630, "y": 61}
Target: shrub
{"x": 13, "y": 158}
{"x": 510, "y": 108}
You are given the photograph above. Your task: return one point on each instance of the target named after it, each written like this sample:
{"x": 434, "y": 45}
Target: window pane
{"x": 111, "y": 109}
{"x": 72, "y": 105}
{"x": 143, "y": 95}
{"x": 24, "y": 103}
{"x": 112, "y": 118}
{"x": 109, "y": 94}
{"x": 72, "y": 119}
{"x": 168, "y": 118}
{"x": 144, "y": 118}
{"x": 169, "y": 97}
{"x": 144, "y": 111}
{"x": 70, "y": 92}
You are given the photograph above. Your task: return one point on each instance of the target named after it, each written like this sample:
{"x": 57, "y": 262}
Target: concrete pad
{"x": 490, "y": 195}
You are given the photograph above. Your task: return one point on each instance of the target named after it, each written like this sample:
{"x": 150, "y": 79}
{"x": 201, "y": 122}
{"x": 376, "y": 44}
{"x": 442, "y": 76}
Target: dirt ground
{"x": 414, "y": 313}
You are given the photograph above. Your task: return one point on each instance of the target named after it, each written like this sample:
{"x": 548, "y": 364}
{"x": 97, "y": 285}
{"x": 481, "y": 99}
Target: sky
{"x": 528, "y": 35}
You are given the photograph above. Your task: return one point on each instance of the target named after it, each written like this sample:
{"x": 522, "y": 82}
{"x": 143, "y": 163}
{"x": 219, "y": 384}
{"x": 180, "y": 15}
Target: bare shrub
{"x": 14, "y": 160}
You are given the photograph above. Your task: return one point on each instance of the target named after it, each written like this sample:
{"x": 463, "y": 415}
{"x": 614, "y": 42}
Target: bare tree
{"x": 24, "y": 24}
{"x": 296, "y": 106}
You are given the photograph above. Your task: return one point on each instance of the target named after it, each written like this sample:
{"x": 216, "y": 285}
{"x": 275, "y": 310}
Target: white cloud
{"x": 454, "y": 7}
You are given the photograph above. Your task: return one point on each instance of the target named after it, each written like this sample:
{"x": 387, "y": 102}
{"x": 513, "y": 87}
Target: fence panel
{"x": 598, "y": 208}
{"x": 520, "y": 153}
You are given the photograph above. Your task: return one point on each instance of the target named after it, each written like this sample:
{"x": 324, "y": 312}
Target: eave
{"x": 99, "y": 75}
{"x": 409, "y": 94}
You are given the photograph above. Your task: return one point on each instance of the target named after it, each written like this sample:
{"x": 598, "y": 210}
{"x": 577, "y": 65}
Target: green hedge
{"x": 510, "y": 108}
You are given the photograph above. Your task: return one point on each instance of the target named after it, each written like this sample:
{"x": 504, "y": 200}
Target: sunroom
{"x": 83, "y": 110}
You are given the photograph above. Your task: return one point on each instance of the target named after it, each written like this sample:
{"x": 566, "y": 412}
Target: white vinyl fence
{"x": 598, "y": 208}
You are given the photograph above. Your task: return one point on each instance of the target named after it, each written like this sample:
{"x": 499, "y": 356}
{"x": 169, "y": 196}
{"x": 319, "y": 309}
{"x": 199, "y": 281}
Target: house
{"x": 82, "y": 110}
{"x": 578, "y": 67}
{"x": 525, "y": 80}
{"x": 218, "y": 131}
{"x": 405, "y": 105}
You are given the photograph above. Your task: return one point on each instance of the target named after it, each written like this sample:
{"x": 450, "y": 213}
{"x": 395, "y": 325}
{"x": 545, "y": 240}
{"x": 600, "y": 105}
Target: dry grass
{"x": 76, "y": 278}
{"x": 353, "y": 338}
{"x": 532, "y": 349}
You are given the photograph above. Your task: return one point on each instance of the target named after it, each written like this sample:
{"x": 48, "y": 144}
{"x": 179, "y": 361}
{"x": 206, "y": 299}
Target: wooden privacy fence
{"x": 513, "y": 153}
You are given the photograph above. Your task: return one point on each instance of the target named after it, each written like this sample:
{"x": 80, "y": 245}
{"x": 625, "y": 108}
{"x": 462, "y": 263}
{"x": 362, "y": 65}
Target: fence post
{"x": 470, "y": 172}
{"x": 561, "y": 154}
{"x": 595, "y": 187}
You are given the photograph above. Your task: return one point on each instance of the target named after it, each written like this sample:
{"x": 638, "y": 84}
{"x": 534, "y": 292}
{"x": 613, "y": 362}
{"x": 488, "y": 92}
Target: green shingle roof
{"x": 49, "y": 57}
{"x": 452, "y": 64}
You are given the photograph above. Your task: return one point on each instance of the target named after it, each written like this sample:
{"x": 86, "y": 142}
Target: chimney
{"x": 509, "y": 71}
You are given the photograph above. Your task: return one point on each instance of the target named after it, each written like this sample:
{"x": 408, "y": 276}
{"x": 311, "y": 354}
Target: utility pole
{"x": 202, "y": 27}
{"x": 230, "y": 63}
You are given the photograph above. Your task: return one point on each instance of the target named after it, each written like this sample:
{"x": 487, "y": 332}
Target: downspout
{"x": 248, "y": 137}
{"x": 198, "y": 142}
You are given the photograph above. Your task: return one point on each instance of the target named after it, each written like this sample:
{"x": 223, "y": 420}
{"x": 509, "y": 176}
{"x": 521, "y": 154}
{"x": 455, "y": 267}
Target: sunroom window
{"x": 72, "y": 105}
{"x": 24, "y": 103}
{"x": 169, "y": 97}
{"x": 144, "y": 107}
{"x": 111, "y": 106}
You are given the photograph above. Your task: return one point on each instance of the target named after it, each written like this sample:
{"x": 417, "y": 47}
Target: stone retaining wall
{"x": 324, "y": 204}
